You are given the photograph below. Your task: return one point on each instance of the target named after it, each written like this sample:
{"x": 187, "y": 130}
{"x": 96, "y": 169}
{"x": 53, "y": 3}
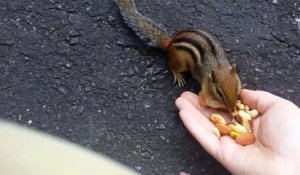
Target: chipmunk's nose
{"x": 231, "y": 107}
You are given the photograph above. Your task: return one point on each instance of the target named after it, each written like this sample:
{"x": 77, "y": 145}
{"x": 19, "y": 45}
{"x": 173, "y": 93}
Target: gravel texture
{"x": 73, "y": 69}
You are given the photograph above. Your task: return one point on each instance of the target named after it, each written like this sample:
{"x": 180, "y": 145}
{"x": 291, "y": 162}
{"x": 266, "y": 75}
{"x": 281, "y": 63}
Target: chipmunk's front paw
{"x": 178, "y": 79}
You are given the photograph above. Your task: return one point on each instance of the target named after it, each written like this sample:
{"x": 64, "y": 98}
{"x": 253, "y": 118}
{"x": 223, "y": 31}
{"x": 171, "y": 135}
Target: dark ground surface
{"x": 74, "y": 70}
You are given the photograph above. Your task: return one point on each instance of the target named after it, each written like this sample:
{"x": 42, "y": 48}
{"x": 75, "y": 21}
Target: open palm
{"x": 277, "y": 147}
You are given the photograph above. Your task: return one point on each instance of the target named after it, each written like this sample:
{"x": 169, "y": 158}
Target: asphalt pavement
{"x": 73, "y": 69}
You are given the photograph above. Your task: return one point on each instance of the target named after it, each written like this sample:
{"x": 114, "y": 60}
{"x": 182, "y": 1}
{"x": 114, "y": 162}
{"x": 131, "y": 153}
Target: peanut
{"x": 237, "y": 127}
{"x": 217, "y": 118}
{"x": 245, "y": 119}
{"x": 217, "y": 132}
{"x": 241, "y": 107}
{"x": 238, "y": 103}
{"x": 244, "y": 115}
{"x": 253, "y": 113}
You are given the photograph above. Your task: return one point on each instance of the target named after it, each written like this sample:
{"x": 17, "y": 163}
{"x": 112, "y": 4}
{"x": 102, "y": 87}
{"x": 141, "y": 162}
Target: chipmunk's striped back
{"x": 199, "y": 45}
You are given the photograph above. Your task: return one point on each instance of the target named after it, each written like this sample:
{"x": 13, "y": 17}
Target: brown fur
{"x": 190, "y": 50}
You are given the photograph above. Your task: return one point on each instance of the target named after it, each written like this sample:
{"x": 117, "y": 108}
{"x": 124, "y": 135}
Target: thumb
{"x": 260, "y": 100}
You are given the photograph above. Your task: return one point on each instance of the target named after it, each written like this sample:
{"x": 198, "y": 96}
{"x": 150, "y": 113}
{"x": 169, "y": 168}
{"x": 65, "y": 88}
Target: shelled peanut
{"x": 241, "y": 127}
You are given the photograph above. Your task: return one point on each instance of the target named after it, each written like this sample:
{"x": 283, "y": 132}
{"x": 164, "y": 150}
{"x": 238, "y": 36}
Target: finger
{"x": 259, "y": 100}
{"x": 194, "y": 100}
{"x": 203, "y": 135}
{"x": 184, "y": 104}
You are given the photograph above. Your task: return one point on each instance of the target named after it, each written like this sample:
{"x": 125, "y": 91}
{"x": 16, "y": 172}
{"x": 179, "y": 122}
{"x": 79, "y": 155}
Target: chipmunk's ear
{"x": 233, "y": 69}
{"x": 212, "y": 76}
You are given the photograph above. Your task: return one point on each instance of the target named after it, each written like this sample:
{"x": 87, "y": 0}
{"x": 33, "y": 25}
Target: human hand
{"x": 277, "y": 131}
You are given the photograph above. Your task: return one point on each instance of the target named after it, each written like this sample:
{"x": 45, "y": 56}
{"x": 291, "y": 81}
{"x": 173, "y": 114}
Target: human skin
{"x": 277, "y": 131}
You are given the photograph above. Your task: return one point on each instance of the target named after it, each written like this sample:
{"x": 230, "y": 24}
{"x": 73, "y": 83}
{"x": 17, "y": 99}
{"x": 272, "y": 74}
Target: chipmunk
{"x": 190, "y": 50}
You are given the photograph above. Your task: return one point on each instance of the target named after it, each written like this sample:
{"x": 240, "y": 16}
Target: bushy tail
{"x": 146, "y": 29}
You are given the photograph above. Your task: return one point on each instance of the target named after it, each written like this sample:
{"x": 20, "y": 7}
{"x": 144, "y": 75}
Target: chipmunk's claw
{"x": 178, "y": 79}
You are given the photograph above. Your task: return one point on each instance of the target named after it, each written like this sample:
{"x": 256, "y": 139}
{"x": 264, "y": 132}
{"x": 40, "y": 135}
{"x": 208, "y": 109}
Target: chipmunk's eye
{"x": 220, "y": 93}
